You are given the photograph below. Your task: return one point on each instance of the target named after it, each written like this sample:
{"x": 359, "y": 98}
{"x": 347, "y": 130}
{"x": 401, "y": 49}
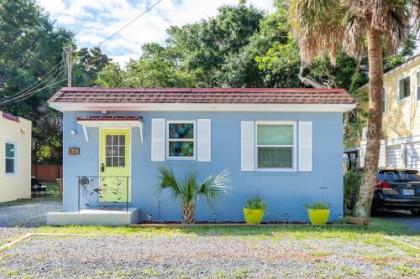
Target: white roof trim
{"x": 111, "y": 124}
{"x": 202, "y": 107}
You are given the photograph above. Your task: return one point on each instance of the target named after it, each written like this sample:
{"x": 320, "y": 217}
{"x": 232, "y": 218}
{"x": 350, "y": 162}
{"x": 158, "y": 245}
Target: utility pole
{"x": 68, "y": 51}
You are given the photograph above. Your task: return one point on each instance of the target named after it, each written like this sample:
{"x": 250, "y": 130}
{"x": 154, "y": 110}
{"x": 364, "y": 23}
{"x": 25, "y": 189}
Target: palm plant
{"x": 190, "y": 189}
{"x": 324, "y": 26}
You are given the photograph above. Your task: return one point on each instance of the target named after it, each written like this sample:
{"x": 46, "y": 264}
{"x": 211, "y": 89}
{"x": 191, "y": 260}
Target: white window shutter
{"x": 247, "y": 145}
{"x": 305, "y": 146}
{"x": 158, "y": 140}
{"x": 203, "y": 140}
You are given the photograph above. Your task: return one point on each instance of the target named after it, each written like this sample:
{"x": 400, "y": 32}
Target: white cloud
{"x": 94, "y": 20}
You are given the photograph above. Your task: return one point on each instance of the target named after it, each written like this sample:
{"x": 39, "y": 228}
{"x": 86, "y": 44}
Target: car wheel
{"x": 375, "y": 211}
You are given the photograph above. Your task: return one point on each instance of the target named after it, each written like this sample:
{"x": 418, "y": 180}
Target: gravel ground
{"x": 27, "y": 213}
{"x": 203, "y": 256}
{"x": 9, "y": 234}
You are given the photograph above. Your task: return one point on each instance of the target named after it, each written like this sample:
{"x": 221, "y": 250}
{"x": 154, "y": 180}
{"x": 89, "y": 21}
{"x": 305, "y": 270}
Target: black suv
{"x": 397, "y": 189}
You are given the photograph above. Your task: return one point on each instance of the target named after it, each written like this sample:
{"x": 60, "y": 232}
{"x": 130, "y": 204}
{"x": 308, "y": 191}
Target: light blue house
{"x": 284, "y": 144}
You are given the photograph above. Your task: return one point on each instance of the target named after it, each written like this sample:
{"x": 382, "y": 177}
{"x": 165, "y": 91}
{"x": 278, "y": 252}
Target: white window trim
{"x": 294, "y": 146}
{"x": 194, "y": 140}
{"x": 398, "y": 89}
{"x": 15, "y": 158}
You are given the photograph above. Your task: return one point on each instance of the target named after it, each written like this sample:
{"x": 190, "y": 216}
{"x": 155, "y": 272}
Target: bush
{"x": 318, "y": 205}
{"x": 255, "y": 203}
{"x": 352, "y": 181}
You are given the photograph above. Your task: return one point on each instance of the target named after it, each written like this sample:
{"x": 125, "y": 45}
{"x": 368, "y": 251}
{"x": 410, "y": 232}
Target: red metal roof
{"x": 203, "y": 95}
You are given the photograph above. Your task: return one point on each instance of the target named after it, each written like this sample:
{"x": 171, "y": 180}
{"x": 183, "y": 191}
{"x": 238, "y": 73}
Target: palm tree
{"x": 189, "y": 189}
{"x": 323, "y": 26}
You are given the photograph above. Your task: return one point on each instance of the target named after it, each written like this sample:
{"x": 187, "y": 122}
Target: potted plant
{"x": 318, "y": 213}
{"x": 254, "y": 210}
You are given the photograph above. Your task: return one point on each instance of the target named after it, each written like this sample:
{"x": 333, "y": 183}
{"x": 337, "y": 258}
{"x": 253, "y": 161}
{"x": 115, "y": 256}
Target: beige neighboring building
{"x": 400, "y": 146}
{"x": 15, "y": 157}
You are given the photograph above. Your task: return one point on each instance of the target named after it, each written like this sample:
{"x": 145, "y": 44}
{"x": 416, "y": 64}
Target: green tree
{"x": 30, "y": 47}
{"x": 212, "y": 49}
{"x": 323, "y": 26}
{"x": 87, "y": 64}
{"x": 110, "y": 76}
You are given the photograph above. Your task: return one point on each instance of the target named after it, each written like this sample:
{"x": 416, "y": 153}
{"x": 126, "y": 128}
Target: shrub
{"x": 255, "y": 203}
{"x": 352, "y": 181}
{"x": 318, "y": 205}
{"x": 188, "y": 190}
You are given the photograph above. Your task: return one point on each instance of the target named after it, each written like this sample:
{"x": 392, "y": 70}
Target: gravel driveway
{"x": 203, "y": 256}
{"x": 27, "y": 213}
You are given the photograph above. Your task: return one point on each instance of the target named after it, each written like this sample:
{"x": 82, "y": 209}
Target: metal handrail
{"x": 103, "y": 192}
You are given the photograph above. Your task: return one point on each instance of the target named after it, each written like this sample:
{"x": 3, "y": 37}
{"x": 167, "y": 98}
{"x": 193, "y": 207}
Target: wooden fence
{"x": 47, "y": 172}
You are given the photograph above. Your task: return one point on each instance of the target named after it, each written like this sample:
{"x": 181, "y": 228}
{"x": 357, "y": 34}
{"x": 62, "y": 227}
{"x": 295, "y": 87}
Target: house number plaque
{"x": 74, "y": 151}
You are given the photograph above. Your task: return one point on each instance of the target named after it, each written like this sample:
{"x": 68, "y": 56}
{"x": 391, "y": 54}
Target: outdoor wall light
{"x": 73, "y": 132}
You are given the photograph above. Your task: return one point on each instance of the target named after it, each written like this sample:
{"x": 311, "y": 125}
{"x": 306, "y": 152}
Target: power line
{"x": 31, "y": 91}
{"x": 52, "y": 75}
{"x": 51, "y": 72}
{"x": 130, "y": 22}
{"x": 29, "y": 94}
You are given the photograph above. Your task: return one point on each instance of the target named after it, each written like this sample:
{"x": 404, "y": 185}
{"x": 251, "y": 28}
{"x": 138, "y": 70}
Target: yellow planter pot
{"x": 318, "y": 216}
{"x": 253, "y": 216}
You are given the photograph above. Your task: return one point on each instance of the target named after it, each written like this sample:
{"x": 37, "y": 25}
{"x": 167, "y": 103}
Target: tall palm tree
{"x": 189, "y": 189}
{"x": 323, "y": 26}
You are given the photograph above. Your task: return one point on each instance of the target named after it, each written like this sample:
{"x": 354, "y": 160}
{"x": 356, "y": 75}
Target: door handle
{"x": 102, "y": 167}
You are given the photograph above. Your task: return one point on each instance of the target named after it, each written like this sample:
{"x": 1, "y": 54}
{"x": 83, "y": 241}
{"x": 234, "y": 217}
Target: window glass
{"x": 181, "y": 140}
{"x": 275, "y": 146}
{"x": 383, "y": 100}
{"x": 405, "y": 88}
{"x": 181, "y": 149}
{"x": 275, "y": 157}
{"x": 275, "y": 134}
{"x": 10, "y": 158}
{"x": 418, "y": 85}
{"x": 181, "y": 130}
{"x": 115, "y": 151}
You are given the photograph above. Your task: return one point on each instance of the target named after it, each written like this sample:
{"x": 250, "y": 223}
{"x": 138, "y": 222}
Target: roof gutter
{"x": 195, "y": 107}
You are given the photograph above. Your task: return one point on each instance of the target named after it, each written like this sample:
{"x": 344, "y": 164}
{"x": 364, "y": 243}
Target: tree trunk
{"x": 188, "y": 211}
{"x": 374, "y": 130}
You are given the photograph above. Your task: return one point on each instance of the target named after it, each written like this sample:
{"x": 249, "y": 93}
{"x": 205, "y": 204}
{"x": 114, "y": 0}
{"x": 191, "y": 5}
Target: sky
{"x": 92, "y": 21}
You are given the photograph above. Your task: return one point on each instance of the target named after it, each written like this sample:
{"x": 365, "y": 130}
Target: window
{"x": 383, "y": 100}
{"x": 275, "y": 145}
{"x": 404, "y": 85}
{"x": 181, "y": 139}
{"x": 115, "y": 151}
{"x": 10, "y": 158}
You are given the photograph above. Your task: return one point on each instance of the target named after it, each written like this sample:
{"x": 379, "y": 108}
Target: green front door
{"x": 115, "y": 166}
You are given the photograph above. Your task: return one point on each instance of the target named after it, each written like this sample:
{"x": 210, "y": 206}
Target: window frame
{"x": 193, "y": 140}
{"x": 399, "y": 88}
{"x": 294, "y": 146}
{"x": 15, "y": 170}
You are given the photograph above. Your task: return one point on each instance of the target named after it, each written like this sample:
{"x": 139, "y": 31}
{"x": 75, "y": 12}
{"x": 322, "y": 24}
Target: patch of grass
{"x": 220, "y": 275}
{"x": 240, "y": 273}
{"x": 406, "y": 270}
{"x": 377, "y": 228}
{"x": 150, "y": 272}
{"x": 52, "y": 189}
